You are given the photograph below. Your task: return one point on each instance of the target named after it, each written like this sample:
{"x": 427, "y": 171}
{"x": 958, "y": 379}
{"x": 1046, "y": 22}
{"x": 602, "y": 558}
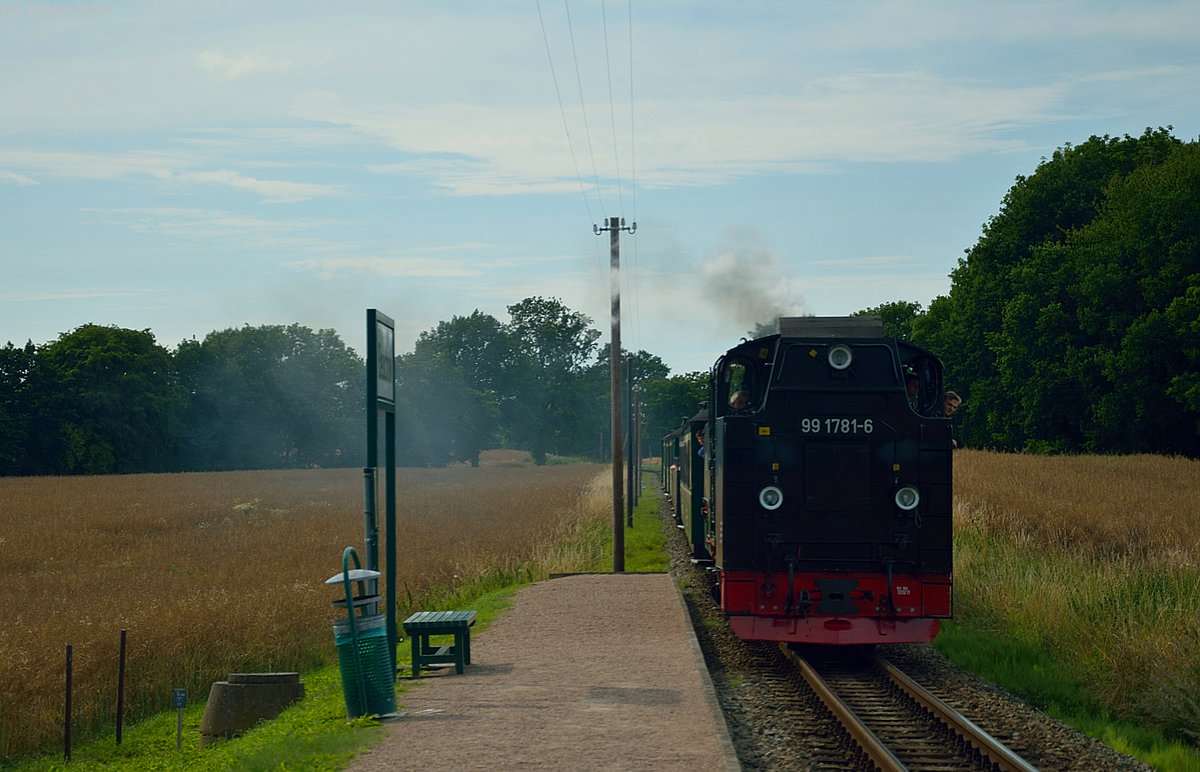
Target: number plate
{"x": 836, "y": 425}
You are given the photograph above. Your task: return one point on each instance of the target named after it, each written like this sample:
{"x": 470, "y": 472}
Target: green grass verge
{"x": 314, "y": 734}
{"x": 1032, "y": 675}
{"x": 645, "y": 542}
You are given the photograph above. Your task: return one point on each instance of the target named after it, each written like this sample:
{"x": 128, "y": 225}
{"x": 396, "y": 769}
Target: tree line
{"x": 109, "y": 400}
{"x": 540, "y": 382}
{"x": 1073, "y": 323}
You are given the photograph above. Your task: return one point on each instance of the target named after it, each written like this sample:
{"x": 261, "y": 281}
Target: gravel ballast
{"x": 772, "y": 731}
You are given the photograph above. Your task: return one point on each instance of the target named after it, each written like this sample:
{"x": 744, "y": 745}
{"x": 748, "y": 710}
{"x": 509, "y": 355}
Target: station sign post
{"x": 381, "y": 399}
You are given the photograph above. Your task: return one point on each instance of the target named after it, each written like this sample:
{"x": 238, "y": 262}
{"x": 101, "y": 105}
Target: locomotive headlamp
{"x": 907, "y": 498}
{"x": 771, "y": 498}
{"x": 840, "y": 357}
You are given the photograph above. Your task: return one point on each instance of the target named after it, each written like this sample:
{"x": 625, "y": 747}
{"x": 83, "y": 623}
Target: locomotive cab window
{"x": 737, "y": 385}
{"x": 923, "y": 385}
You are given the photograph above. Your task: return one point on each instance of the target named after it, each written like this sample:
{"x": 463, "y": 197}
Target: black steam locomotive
{"x": 817, "y": 483}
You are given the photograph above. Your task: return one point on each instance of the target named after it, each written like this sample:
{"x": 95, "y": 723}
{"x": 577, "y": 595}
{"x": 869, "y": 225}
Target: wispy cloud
{"x": 173, "y": 166}
{"x": 211, "y": 224}
{"x": 855, "y": 117}
{"x": 89, "y": 293}
{"x": 93, "y": 166}
{"x": 851, "y": 262}
{"x": 390, "y": 267}
{"x": 12, "y": 178}
{"x": 272, "y": 191}
{"x": 227, "y": 67}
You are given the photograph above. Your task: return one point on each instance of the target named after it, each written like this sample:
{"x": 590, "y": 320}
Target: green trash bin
{"x": 368, "y": 678}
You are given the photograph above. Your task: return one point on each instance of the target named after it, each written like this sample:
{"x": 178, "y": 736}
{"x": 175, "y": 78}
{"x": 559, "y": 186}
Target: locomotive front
{"x": 830, "y": 486}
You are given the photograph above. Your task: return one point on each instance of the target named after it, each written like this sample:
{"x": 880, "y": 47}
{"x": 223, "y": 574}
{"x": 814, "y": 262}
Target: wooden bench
{"x": 423, "y": 624}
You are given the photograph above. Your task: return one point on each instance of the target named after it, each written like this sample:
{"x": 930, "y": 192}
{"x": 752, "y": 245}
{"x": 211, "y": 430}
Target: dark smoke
{"x": 747, "y": 283}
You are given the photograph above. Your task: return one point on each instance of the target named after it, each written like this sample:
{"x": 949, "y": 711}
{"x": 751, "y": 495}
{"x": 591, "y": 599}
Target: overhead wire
{"x": 583, "y": 105}
{"x": 637, "y": 327}
{"x": 612, "y": 112}
{"x": 588, "y": 138}
{"x": 629, "y": 275}
{"x": 562, "y": 111}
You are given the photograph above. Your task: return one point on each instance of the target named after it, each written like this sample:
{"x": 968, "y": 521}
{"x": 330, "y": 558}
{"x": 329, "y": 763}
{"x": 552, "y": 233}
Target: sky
{"x": 193, "y": 167}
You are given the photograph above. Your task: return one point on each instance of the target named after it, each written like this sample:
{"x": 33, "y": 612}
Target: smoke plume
{"x": 746, "y": 282}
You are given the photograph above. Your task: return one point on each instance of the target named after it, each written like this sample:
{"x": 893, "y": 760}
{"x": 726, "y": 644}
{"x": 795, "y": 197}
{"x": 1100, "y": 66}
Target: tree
{"x": 16, "y": 408}
{"x": 637, "y": 369}
{"x": 552, "y": 346}
{"x": 669, "y": 401}
{"x": 449, "y": 391}
{"x": 272, "y": 397}
{"x": 109, "y": 404}
{"x": 1138, "y": 267}
{"x": 897, "y": 317}
{"x": 984, "y": 327}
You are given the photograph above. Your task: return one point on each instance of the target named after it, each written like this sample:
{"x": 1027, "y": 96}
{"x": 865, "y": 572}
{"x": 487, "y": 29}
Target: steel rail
{"x": 1001, "y": 756}
{"x": 876, "y": 750}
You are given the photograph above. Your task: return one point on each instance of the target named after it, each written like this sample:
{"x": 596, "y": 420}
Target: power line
{"x": 637, "y": 326}
{"x": 612, "y": 113}
{"x": 583, "y": 105}
{"x": 587, "y": 129}
{"x": 562, "y": 111}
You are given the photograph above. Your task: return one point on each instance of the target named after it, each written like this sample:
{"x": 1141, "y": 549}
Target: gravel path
{"x": 537, "y": 697}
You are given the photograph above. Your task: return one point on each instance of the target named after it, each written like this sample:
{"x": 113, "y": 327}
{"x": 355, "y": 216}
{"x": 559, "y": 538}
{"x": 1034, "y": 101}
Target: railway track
{"x": 893, "y": 722}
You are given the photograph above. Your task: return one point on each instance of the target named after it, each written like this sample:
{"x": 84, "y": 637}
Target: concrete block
{"x": 245, "y": 699}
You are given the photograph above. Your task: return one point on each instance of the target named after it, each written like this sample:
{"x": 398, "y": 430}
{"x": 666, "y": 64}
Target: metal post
{"x": 373, "y": 367}
{"x": 636, "y": 410}
{"x": 121, "y": 689}
{"x": 370, "y": 523}
{"x": 631, "y": 499}
{"x": 67, "y": 721}
{"x": 389, "y": 499}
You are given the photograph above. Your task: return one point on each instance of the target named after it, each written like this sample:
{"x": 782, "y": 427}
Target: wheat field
{"x": 224, "y": 572}
{"x": 1095, "y": 559}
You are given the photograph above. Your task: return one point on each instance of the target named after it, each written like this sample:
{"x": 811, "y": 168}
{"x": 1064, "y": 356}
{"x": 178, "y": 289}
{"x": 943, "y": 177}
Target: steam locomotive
{"x": 817, "y": 485}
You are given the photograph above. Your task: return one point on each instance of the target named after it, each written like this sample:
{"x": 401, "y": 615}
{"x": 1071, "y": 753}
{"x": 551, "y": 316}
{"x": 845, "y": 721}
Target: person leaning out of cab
{"x": 949, "y": 404}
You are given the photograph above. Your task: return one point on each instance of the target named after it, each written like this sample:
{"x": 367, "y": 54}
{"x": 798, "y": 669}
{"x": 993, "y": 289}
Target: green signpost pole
{"x": 381, "y": 398}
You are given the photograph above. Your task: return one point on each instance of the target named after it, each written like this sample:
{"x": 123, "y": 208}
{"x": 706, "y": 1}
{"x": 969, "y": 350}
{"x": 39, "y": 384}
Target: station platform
{"x": 583, "y": 672}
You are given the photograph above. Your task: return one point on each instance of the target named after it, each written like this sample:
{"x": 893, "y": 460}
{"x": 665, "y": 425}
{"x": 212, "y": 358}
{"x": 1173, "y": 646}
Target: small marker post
{"x": 180, "y": 699}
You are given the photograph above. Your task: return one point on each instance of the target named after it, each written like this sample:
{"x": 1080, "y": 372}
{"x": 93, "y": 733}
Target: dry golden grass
{"x": 1095, "y": 559}
{"x": 1105, "y": 506}
{"x": 219, "y": 573}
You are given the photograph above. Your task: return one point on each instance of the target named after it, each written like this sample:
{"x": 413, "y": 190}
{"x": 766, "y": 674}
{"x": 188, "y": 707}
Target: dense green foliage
{"x": 269, "y": 397}
{"x": 1073, "y": 323}
{"x": 107, "y": 400}
{"x": 541, "y": 383}
{"x": 669, "y": 401}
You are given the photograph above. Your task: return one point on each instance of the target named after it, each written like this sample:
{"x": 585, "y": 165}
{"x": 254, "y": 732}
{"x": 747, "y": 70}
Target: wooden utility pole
{"x": 614, "y": 226}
